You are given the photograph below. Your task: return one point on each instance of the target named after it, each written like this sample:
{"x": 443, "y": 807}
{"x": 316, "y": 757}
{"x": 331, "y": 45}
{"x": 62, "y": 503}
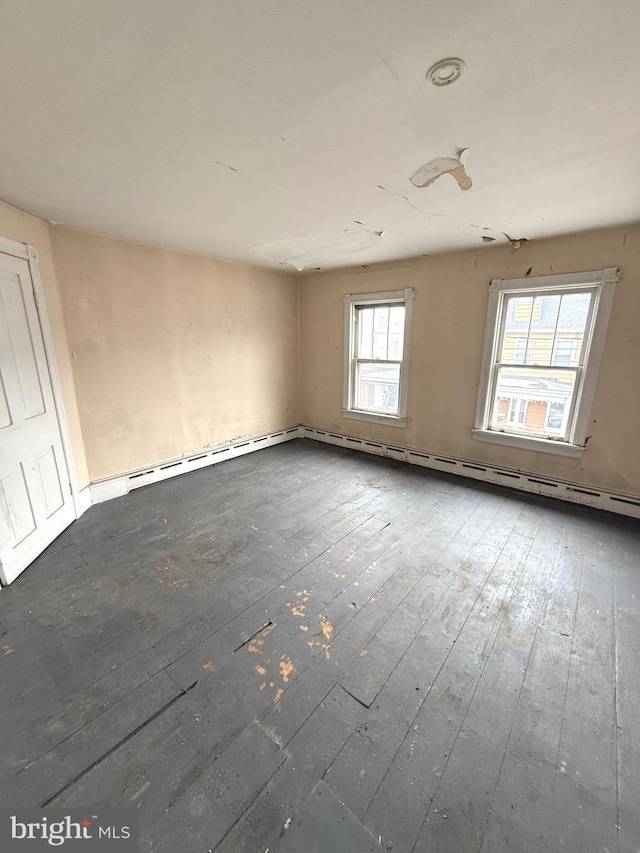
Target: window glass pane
{"x": 572, "y": 321}
{"x": 516, "y": 329}
{"x": 543, "y": 328}
{"x": 530, "y": 329}
{"x": 364, "y": 321}
{"x": 396, "y": 331}
{"x": 565, "y": 351}
{"x": 556, "y": 416}
{"x": 517, "y": 410}
{"x": 380, "y": 332}
{"x": 377, "y": 387}
{"x": 524, "y": 397}
{"x": 514, "y": 348}
{"x": 519, "y": 313}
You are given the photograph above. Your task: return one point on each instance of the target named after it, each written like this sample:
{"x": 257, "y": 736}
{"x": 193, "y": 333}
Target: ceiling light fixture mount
{"x": 446, "y": 72}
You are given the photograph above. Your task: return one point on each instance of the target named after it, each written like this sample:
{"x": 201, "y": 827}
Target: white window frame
{"x": 602, "y": 284}
{"x": 353, "y": 301}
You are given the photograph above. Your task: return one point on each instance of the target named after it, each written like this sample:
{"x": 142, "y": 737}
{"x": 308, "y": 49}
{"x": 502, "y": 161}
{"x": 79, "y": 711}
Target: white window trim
{"x": 604, "y": 281}
{"x": 351, "y": 302}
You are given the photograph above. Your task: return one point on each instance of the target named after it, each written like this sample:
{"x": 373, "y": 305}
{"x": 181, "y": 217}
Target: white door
{"x": 35, "y": 496}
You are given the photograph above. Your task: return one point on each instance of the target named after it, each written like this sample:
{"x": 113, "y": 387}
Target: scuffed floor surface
{"x": 307, "y": 648}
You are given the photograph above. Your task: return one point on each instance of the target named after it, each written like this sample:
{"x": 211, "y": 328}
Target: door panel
{"x": 20, "y": 341}
{"x": 50, "y": 481}
{"x": 35, "y": 496}
{"x": 5, "y": 415}
{"x": 16, "y": 499}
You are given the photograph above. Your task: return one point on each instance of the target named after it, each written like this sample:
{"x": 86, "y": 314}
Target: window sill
{"x": 374, "y": 417}
{"x": 541, "y": 445}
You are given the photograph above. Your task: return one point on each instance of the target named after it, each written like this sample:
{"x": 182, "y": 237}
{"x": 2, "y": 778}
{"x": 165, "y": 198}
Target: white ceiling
{"x": 287, "y": 131}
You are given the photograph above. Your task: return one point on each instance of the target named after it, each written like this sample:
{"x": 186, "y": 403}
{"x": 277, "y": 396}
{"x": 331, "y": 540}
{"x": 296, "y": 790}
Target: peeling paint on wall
{"x": 434, "y": 169}
{"x": 516, "y": 242}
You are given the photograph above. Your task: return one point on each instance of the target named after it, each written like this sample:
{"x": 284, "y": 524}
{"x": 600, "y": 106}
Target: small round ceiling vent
{"x": 446, "y": 72}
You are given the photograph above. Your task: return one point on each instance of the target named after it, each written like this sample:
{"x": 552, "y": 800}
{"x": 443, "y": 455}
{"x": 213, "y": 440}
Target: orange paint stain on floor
{"x": 261, "y": 670}
{"x": 256, "y": 647}
{"x": 316, "y": 644}
{"x": 209, "y": 666}
{"x": 298, "y": 610}
{"x": 276, "y": 698}
{"x": 286, "y": 668}
{"x": 327, "y": 628}
{"x": 304, "y": 627}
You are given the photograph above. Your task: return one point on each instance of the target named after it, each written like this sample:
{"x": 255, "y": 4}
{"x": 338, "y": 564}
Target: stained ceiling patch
{"x": 310, "y": 250}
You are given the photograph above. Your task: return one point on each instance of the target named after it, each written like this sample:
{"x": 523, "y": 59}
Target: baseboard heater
{"x": 528, "y": 482}
{"x": 573, "y": 492}
{"x": 114, "y": 487}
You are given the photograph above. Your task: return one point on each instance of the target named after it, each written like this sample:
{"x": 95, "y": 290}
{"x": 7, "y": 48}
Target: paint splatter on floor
{"x": 286, "y": 668}
{"x": 327, "y": 628}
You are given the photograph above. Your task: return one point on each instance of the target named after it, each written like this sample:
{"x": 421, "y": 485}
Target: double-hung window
{"x": 377, "y": 327}
{"x": 543, "y": 345}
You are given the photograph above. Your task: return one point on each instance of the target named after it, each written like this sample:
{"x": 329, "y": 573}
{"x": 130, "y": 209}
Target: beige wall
{"x": 173, "y": 352}
{"x": 23, "y": 228}
{"x": 449, "y": 318}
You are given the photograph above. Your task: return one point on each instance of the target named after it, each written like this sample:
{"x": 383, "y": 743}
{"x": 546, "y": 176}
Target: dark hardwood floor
{"x": 308, "y": 648}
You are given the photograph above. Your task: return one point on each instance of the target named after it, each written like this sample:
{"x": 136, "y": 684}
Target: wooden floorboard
{"x": 308, "y": 640}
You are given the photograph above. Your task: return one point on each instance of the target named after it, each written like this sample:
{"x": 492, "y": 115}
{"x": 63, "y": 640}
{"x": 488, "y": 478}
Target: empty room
{"x": 319, "y": 426}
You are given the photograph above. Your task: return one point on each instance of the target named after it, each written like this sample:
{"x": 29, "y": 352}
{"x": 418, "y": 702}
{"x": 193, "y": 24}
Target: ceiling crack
{"x": 411, "y": 204}
{"x": 392, "y": 72}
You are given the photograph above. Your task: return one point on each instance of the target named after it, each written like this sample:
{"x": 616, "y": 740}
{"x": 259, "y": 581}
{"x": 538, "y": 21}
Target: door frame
{"x": 30, "y": 254}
